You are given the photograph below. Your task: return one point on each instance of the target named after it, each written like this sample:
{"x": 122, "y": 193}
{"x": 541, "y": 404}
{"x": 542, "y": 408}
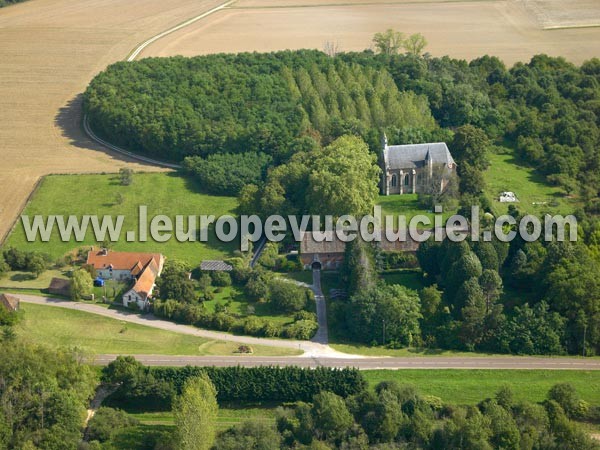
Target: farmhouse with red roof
{"x": 141, "y": 268}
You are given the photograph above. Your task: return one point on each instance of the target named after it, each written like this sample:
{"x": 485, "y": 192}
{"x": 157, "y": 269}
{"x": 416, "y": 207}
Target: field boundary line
{"x": 134, "y": 54}
{"x": 36, "y": 186}
{"x": 94, "y": 137}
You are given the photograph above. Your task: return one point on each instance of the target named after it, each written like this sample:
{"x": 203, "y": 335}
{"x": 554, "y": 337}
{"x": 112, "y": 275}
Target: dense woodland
{"x": 333, "y": 408}
{"x": 306, "y": 141}
{"x": 170, "y": 108}
{"x": 463, "y": 307}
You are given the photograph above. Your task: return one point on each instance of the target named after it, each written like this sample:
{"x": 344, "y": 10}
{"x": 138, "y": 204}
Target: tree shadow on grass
{"x": 69, "y": 119}
{"x": 23, "y": 277}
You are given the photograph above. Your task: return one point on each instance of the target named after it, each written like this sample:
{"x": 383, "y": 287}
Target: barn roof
{"x": 416, "y": 155}
{"x": 10, "y": 302}
{"x": 310, "y": 245}
{"x": 101, "y": 259}
{"x": 326, "y": 242}
{"x": 215, "y": 266}
{"x": 145, "y": 282}
{"x": 60, "y": 286}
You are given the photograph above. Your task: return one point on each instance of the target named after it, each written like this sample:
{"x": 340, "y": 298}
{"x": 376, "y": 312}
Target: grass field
{"x": 406, "y": 205}
{"x": 25, "y": 280}
{"x": 162, "y": 423}
{"x": 228, "y": 416}
{"x": 466, "y": 387}
{"x": 507, "y": 173}
{"x": 96, "y": 334}
{"x": 472, "y": 386}
{"x": 407, "y": 278}
{"x": 237, "y": 303}
{"x": 163, "y": 193}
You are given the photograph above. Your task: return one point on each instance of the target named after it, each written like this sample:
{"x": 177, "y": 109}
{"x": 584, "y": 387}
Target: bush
{"x": 106, "y": 422}
{"x": 305, "y": 315}
{"x": 220, "y": 279}
{"x": 228, "y": 173}
{"x": 286, "y": 296}
{"x": 302, "y": 330}
{"x": 34, "y": 262}
{"x": 254, "y": 326}
{"x": 222, "y": 321}
{"x": 272, "y": 330}
{"x": 398, "y": 260}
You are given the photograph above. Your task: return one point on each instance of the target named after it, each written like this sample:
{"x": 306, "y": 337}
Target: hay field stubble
{"x": 49, "y": 51}
{"x": 461, "y": 29}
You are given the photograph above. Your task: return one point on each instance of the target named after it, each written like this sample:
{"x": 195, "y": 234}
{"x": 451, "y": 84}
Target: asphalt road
{"x": 416, "y": 362}
{"x": 315, "y": 355}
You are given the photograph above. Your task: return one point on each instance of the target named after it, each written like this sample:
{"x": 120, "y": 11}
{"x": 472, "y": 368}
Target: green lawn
{"x": 508, "y": 173}
{"x": 26, "y": 280}
{"x": 406, "y": 205}
{"x": 407, "y": 278}
{"x": 237, "y": 303}
{"x": 472, "y": 386}
{"x": 228, "y": 416}
{"x": 163, "y": 193}
{"x": 97, "y": 334}
{"x": 154, "y": 424}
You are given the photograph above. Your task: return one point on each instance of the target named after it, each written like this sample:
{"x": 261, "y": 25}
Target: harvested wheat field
{"x": 49, "y": 51}
{"x": 508, "y": 29}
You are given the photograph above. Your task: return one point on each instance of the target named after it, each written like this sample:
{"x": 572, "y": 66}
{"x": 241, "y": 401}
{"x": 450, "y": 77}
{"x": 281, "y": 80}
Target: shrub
{"x": 221, "y": 279}
{"x": 305, "y": 315}
{"x": 222, "y": 321}
{"x": 286, "y": 296}
{"x": 106, "y": 422}
{"x": 254, "y": 326}
{"x": 302, "y": 329}
{"x": 272, "y": 330}
{"x": 228, "y": 173}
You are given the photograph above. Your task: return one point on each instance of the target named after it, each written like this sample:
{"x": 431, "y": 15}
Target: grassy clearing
{"x": 536, "y": 196}
{"x": 163, "y": 193}
{"x": 228, "y": 416}
{"x": 26, "y": 280}
{"x": 472, "y": 386}
{"x": 238, "y": 304}
{"x": 64, "y": 327}
{"x": 407, "y": 278}
{"x": 408, "y": 206}
{"x": 153, "y": 424}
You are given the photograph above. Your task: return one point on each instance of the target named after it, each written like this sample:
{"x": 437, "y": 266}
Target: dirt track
{"x": 50, "y": 50}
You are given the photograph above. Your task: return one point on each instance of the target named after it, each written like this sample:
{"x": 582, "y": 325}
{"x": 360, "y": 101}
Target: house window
{"x": 394, "y": 181}
{"x": 406, "y": 180}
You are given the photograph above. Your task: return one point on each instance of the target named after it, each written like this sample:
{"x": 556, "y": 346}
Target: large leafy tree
{"x": 343, "y": 179}
{"x": 43, "y": 397}
{"x": 573, "y": 289}
{"x": 195, "y": 412}
{"x": 81, "y": 284}
{"x": 174, "y": 282}
{"x": 384, "y": 314}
